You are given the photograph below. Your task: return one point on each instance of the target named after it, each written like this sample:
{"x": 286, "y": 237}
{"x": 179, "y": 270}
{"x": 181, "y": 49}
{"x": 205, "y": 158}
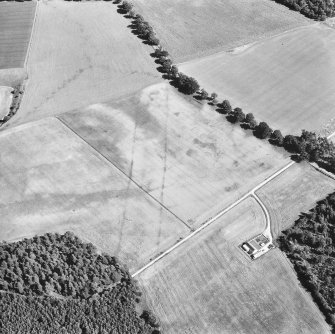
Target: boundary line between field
{"x": 251, "y": 193}
{"x": 120, "y": 170}
{"x": 32, "y": 35}
{"x": 211, "y": 220}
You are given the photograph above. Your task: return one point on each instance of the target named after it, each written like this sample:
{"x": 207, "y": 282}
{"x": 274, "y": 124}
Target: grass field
{"x": 51, "y": 180}
{"x": 191, "y": 28}
{"x": 16, "y": 20}
{"x": 82, "y": 53}
{"x": 296, "y": 190}
{"x": 287, "y": 81}
{"x": 185, "y": 154}
{"x": 210, "y": 286}
{"x": 5, "y": 100}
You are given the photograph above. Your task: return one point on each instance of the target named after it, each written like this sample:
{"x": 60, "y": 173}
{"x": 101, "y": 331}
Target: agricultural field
{"x": 287, "y": 81}
{"x": 12, "y": 77}
{"x": 182, "y": 152}
{"x": 76, "y": 59}
{"x": 190, "y": 28}
{"x": 16, "y": 21}
{"x": 52, "y": 181}
{"x": 210, "y": 286}
{"x": 297, "y": 190}
{"x": 5, "y": 100}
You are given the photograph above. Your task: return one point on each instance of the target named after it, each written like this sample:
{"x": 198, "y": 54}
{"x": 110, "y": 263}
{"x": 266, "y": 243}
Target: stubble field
{"x": 186, "y": 31}
{"x": 82, "y": 53}
{"x": 16, "y": 20}
{"x": 210, "y": 286}
{"x": 297, "y": 190}
{"x": 50, "y": 180}
{"x": 287, "y": 81}
{"x": 183, "y": 153}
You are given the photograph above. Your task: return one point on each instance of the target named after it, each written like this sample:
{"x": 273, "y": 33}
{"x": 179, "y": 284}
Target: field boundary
{"x": 208, "y": 222}
{"x": 104, "y": 158}
{"x": 214, "y": 218}
{"x": 32, "y": 34}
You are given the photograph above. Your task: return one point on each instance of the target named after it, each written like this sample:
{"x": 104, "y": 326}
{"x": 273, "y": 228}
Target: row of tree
{"x": 314, "y": 9}
{"x": 310, "y": 245}
{"x": 307, "y": 146}
{"x": 57, "y": 284}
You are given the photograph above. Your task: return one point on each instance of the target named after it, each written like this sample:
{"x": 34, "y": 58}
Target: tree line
{"x": 57, "y": 284}
{"x": 310, "y": 246}
{"x": 314, "y": 9}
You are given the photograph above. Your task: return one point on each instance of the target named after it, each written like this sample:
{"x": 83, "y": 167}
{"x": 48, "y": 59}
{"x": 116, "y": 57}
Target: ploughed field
{"x": 183, "y": 153}
{"x": 297, "y": 190}
{"x": 16, "y": 20}
{"x": 287, "y": 81}
{"x": 52, "y": 181}
{"x": 210, "y": 286}
{"x": 82, "y": 53}
{"x": 190, "y": 28}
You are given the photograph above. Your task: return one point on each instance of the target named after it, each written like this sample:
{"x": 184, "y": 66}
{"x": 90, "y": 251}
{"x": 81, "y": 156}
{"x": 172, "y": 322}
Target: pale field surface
{"x": 82, "y": 53}
{"x": 12, "y": 76}
{"x": 5, "y": 100}
{"x": 190, "y": 28}
{"x": 210, "y": 286}
{"x": 51, "y": 180}
{"x": 295, "y": 191}
{"x": 184, "y": 154}
{"x": 287, "y": 81}
{"x": 16, "y": 21}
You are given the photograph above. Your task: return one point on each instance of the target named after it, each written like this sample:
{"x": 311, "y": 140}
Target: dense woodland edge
{"x": 57, "y": 284}
{"x": 310, "y": 246}
{"x": 313, "y": 9}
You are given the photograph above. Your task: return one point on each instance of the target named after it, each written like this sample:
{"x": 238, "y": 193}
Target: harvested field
{"x": 296, "y": 190}
{"x": 186, "y": 31}
{"x": 51, "y": 180}
{"x": 82, "y": 53}
{"x": 210, "y": 286}
{"x": 183, "y": 153}
{"x": 287, "y": 81}
{"x": 16, "y": 20}
{"x": 5, "y": 100}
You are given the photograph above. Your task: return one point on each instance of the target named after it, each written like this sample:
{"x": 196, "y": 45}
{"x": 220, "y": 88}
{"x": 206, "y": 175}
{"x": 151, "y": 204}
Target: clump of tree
{"x": 315, "y": 9}
{"x": 55, "y": 283}
{"x": 186, "y": 84}
{"x": 236, "y": 115}
{"x": 310, "y": 246}
{"x": 262, "y": 130}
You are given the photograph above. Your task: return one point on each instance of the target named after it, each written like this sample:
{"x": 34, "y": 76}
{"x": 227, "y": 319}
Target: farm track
{"x": 251, "y": 193}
